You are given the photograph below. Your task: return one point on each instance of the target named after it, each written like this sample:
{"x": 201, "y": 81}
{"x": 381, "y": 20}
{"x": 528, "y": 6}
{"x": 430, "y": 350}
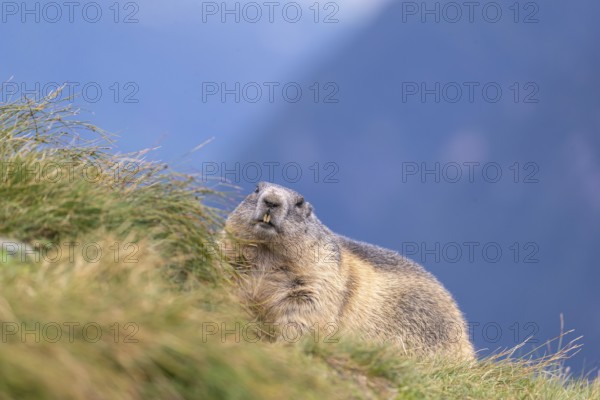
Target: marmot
{"x": 295, "y": 270}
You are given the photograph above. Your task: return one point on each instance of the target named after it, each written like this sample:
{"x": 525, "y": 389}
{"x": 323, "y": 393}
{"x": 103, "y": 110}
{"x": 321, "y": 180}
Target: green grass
{"x": 148, "y": 301}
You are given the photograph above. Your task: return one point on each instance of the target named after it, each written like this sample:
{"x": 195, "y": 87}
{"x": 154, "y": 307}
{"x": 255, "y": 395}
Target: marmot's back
{"x": 380, "y": 257}
{"x": 364, "y": 289}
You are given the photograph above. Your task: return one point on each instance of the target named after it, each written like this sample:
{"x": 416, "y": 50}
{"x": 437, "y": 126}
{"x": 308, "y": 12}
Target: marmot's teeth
{"x": 266, "y": 218}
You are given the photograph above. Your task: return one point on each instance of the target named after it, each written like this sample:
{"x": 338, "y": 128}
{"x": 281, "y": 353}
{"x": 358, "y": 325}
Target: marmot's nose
{"x": 271, "y": 202}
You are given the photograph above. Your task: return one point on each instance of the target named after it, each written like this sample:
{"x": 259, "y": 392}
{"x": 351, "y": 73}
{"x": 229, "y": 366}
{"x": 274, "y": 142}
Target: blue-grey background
{"x": 361, "y": 138}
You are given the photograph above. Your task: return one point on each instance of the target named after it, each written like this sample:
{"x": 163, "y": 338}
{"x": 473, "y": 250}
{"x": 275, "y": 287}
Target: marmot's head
{"x": 273, "y": 213}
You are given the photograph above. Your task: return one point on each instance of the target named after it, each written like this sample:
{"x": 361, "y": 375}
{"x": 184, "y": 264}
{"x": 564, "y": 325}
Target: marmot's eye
{"x": 257, "y": 189}
{"x": 300, "y": 203}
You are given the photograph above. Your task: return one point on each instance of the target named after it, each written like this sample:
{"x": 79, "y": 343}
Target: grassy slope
{"x": 162, "y": 296}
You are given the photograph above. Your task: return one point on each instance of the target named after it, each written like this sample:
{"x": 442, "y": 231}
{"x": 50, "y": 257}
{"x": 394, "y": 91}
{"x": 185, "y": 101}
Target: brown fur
{"x": 298, "y": 272}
